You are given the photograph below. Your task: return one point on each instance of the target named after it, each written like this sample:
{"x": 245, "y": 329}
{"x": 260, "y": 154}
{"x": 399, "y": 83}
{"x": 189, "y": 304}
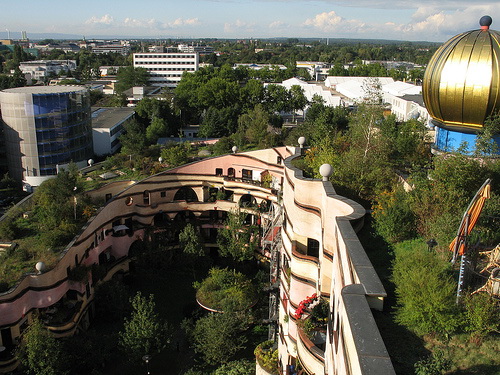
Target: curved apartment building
{"x": 308, "y": 233}
{"x": 46, "y": 128}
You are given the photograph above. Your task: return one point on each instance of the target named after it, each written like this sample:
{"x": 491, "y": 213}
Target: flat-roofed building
{"x": 107, "y": 126}
{"x": 190, "y": 48}
{"x": 166, "y": 69}
{"x": 122, "y": 49}
{"x": 41, "y": 69}
{"x": 46, "y": 128}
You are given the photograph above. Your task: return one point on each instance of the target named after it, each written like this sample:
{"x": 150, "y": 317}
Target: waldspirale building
{"x": 308, "y": 233}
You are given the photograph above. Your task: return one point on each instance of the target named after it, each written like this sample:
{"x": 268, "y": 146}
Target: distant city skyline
{"x": 425, "y": 20}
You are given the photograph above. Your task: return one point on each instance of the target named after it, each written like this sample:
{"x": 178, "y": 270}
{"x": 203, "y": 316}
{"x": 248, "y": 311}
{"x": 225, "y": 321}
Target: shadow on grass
{"x": 478, "y": 369}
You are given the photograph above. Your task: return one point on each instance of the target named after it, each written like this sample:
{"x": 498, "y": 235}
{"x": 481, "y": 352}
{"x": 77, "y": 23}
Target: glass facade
{"x": 63, "y": 129}
{"x": 45, "y": 127}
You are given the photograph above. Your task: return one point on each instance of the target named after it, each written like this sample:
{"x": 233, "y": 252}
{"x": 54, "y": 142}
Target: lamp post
{"x": 74, "y": 201}
{"x": 431, "y": 244}
{"x": 146, "y": 358}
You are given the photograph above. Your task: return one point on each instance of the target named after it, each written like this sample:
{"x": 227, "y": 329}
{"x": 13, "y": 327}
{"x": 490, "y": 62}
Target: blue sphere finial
{"x": 485, "y": 21}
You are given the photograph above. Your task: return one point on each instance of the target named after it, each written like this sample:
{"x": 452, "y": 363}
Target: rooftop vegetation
{"x": 226, "y": 290}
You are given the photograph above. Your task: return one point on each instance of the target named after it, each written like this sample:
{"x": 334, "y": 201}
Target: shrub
{"x": 425, "y": 290}
{"x": 394, "y": 219}
{"x": 481, "y": 314}
{"x": 435, "y": 364}
{"x": 239, "y": 367}
{"x": 267, "y": 357}
{"x": 226, "y": 290}
{"x": 218, "y": 337}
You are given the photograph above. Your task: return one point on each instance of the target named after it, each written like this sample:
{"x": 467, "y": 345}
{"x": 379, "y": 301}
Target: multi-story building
{"x": 107, "y": 126}
{"x": 46, "y": 128}
{"x": 122, "y": 49}
{"x": 308, "y": 233}
{"x": 166, "y": 69}
{"x": 41, "y": 69}
{"x": 190, "y": 48}
{"x": 317, "y": 70}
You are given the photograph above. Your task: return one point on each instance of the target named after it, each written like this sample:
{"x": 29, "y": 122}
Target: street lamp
{"x": 74, "y": 201}
{"x": 146, "y": 358}
{"x": 431, "y": 244}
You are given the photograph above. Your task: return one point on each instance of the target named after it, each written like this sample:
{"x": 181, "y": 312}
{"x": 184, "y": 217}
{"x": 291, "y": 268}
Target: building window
{"x": 145, "y": 197}
{"x": 312, "y": 248}
{"x": 246, "y": 174}
{"x": 163, "y": 194}
{"x": 218, "y": 171}
{"x": 108, "y": 196}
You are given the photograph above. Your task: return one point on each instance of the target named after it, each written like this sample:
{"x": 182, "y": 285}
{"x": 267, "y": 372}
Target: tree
{"x": 239, "y": 367}
{"x": 298, "y": 99}
{"x": 133, "y": 140}
{"x": 485, "y": 141}
{"x": 254, "y": 125}
{"x": 130, "y": 76}
{"x": 394, "y": 219}
{"x": 54, "y": 199}
{"x": 177, "y": 154}
{"x": 217, "y": 337}
{"x": 219, "y": 122}
{"x": 277, "y": 98}
{"x": 236, "y": 239}
{"x": 157, "y": 129}
{"x": 40, "y": 352}
{"x": 144, "y": 333}
{"x": 190, "y": 241}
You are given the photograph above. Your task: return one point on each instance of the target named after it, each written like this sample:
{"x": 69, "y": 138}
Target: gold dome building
{"x": 461, "y": 87}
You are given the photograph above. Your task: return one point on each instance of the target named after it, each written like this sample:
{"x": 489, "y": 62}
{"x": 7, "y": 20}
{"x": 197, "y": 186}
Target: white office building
{"x": 107, "y": 126}
{"x": 166, "y": 69}
{"x": 40, "y": 69}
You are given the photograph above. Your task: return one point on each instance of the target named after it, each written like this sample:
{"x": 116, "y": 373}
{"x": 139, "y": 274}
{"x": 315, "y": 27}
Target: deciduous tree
{"x": 144, "y": 332}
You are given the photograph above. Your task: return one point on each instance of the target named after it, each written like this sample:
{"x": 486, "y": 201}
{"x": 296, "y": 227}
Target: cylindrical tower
{"x": 461, "y": 87}
{"x": 46, "y": 127}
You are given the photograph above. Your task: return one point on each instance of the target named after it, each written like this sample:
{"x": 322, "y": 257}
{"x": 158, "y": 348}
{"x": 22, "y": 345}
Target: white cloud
{"x": 427, "y": 23}
{"x": 104, "y": 20}
{"x": 278, "y": 25}
{"x": 332, "y": 22}
{"x": 181, "y": 22}
{"x": 238, "y": 25}
{"x": 154, "y": 24}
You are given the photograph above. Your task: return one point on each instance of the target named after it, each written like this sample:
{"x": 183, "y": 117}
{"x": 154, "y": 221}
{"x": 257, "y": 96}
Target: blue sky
{"x": 429, "y": 20}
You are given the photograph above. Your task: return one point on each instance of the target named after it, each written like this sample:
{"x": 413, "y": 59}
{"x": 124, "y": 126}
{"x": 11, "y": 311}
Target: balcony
{"x": 311, "y": 352}
{"x": 62, "y": 316}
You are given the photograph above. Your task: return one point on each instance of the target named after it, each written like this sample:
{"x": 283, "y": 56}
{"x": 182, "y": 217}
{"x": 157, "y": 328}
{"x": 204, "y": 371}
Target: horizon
{"x": 399, "y": 20}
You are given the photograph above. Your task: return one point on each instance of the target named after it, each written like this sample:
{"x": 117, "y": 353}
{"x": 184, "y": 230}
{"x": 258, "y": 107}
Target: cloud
{"x": 426, "y": 23}
{"x": 181, "y": 22}
{"x": 238, "y": 25}
{"x": 332, "y": 22}
{"x": 278, "y": 25}
{"x": 446, "y": 5}
{"x": 154, "y": 24}
{"x": 104, "y": 20}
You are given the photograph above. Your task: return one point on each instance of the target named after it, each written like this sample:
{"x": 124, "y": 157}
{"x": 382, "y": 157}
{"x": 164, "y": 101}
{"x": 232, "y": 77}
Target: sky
{"x": 412, "y": 20}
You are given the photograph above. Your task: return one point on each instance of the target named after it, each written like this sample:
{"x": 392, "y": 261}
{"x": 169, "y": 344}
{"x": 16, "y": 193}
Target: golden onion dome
{"x": 461, "y": 83}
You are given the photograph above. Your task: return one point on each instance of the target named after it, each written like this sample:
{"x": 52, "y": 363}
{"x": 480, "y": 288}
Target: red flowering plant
{"x": 303, "y": 305}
